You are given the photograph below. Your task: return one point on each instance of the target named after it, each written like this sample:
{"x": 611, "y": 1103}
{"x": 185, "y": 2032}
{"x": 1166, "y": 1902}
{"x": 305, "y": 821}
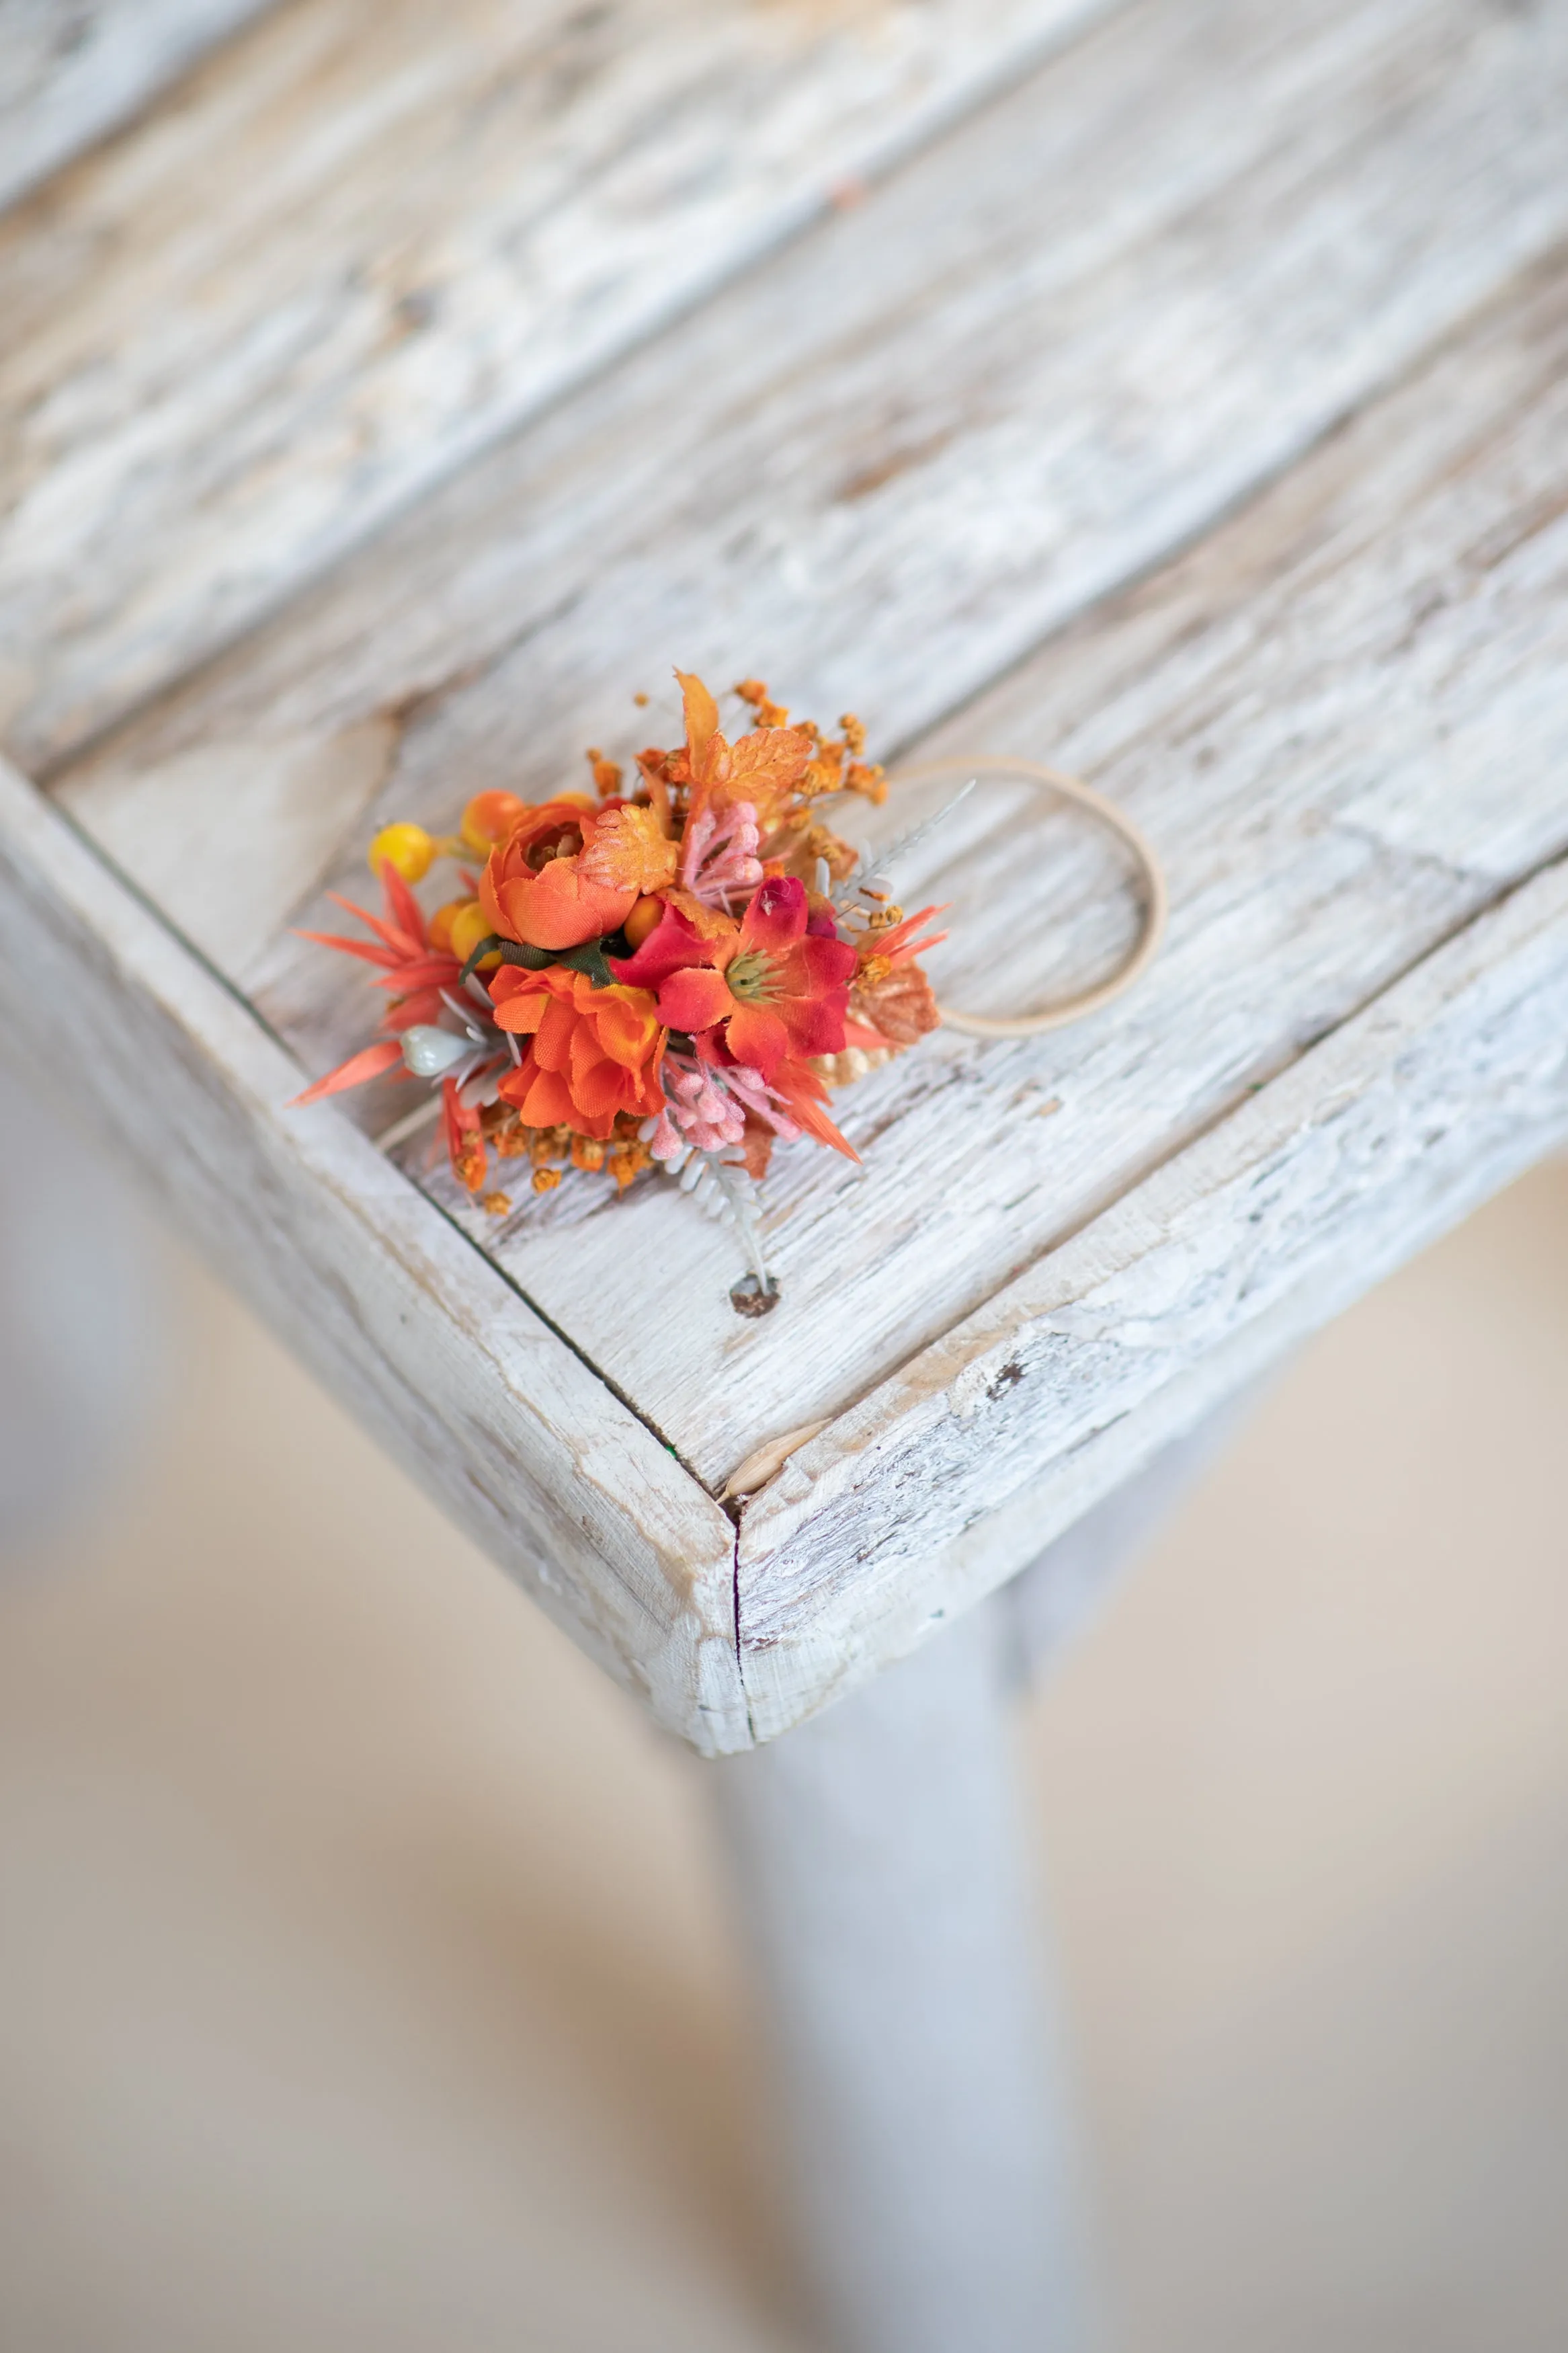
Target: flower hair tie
{"x": 1155, "y": 901}
{"x": 673, "y": 976}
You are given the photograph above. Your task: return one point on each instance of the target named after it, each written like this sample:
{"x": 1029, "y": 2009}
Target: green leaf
{"x": 589, "y": 958}
{"x": 535, "y": 959}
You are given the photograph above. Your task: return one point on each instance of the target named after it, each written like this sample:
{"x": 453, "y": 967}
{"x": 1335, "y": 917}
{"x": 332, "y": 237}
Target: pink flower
{"x": 719, "y": 854}
{"x": 706, "y": 1106}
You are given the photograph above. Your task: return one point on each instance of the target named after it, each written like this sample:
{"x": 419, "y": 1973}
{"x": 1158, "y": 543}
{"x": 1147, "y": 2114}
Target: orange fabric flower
{"x": 542, "y": 885}
{"x": 593, "y": 1052}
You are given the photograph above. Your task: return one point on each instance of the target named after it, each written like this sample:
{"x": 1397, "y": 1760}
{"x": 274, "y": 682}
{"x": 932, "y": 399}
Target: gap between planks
{"x": 451, "y": 252}
{"x": 1212, "y": 240}
{"x": 832, "y": 1587}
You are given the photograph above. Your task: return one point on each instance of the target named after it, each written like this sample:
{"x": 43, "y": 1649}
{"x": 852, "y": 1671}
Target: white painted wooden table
{"x": 1173, "y": 389}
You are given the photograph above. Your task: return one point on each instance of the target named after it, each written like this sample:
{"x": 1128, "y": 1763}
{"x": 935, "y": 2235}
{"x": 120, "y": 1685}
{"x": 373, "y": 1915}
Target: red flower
{"x": 778, "y": 991}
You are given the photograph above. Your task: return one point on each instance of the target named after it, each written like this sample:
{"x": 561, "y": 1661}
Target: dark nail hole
{"x": 749, "y": 1298}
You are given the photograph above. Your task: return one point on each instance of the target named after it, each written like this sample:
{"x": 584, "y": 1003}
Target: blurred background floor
{"x": 365, "y": 1981}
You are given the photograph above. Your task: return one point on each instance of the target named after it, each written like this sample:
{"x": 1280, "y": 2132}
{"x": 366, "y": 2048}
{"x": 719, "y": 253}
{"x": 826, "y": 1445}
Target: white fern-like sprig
{"x": 724, "y": 1190}
{"x": 857, "y": 884}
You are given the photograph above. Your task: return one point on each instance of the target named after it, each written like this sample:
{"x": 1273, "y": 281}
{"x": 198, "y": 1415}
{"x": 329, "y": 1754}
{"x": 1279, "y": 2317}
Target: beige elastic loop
{"x": 1067, "y": 1008}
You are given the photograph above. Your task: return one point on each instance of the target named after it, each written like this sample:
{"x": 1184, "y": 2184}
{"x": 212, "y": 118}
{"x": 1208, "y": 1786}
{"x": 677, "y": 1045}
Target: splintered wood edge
{"x": 951, "y": 1476}
{"x": 394, "y": 1310}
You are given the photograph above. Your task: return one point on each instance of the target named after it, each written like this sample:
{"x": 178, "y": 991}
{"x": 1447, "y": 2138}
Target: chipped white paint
{"x": 217, "y": 835}
{"x": 376, "y": 239}
{"x": 1371, "y": 620}
{"x": 768, "y": 1461}
{"x": 950, "y": 1477}
{"x": 367, "y": 1281}
{"x": 1056, "y": 344}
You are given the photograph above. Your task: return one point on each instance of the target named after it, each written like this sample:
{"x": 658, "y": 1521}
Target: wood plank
{"x": 409, "y": 1325}
{"x": 1322, "y": 823}
{"x": 370, "y": 239}
{"x": 72, "y": 74}
{"x": 1449, "y": 1085}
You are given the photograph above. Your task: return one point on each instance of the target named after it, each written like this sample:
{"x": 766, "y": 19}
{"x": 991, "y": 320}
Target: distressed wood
{"x": 71, "y": 71}
{"x": 369, "y": 239}
{"x": 368, "y": 1281}
{"x": 969, "y": 431}
{"x": 1208, "y": 246}
{"x": 1305, "y": 715}
{"x": 1443, "y": 1089}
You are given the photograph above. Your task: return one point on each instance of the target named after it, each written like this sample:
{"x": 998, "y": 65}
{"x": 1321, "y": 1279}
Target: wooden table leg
{"x": 877, "y": 1857}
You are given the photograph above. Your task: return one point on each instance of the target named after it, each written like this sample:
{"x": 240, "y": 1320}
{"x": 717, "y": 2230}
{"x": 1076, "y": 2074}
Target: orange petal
{"x": 522, "y": 1011}
{"x": 552, "y": 1040}
{"x": 548, "y": 1103}
{"x": 800, "y": 1089}
{"x": 757, "y": 1037}
{"x": 708, "y": 923}
{"x": 368, "y": 1063}
{"x": 694, "y": 998}
{"x": 628, "y": 852}
{"x": 701, "y": 722}
{"x": 765, "y": 769}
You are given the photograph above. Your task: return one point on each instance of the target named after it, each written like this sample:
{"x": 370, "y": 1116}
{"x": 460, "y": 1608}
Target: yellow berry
{"x": 468, "y": 926}
{"x": 407, "y": 849}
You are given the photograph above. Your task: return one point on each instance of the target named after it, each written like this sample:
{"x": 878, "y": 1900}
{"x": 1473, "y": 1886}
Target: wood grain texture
{"x": 1325, "y": 804}
{"x": 73, "y": 70}
{"x": 1449, "y": 1085}
{"x": 366, "y": 1280}
{"x": 372, "y": 235}
{"x": 1214, "y": 257}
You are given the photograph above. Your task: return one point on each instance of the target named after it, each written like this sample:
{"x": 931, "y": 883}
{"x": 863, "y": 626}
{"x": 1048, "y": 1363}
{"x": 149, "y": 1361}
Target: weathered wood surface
{"x": 1390, "y": 165}
{"x": 1208, "y": 249}
{"x": 520, "y": 1441}
{"x": 1364, "y": 682}
{"x": 1442, "y": 1089}
{"x": 71, "y": 71}
{"x": 953, "y": 410}
{"x": 370, "y": 239}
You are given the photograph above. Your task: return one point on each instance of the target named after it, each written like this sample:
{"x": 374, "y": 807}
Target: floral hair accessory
{"x": 673, "y": 976}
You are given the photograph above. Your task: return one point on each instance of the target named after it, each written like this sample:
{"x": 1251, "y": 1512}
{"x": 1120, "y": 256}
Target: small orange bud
{"x": 439, "y": 928}
{"x": 407, "y": 849}
{"x": 489, "y": 818}
{"x": 643, "y": 919}
{"x": 468, "y": 925}
{"x": 545, "y": 1180}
